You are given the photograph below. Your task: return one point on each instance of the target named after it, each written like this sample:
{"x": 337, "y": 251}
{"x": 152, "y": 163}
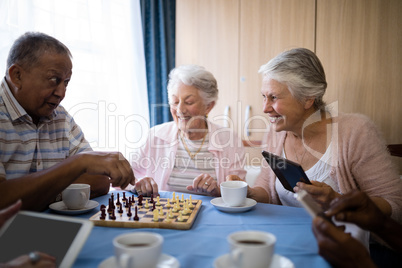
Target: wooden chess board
{"x": 146, "y": 217}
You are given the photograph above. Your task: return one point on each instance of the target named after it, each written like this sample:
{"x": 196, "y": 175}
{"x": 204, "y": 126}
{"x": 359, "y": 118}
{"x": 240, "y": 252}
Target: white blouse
{"x": 319, "y": 172}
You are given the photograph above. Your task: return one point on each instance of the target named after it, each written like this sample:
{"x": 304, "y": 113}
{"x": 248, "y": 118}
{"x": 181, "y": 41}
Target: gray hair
{"x": 29, "y": 47}
{"x": 196, "y": 76}
{"x": 301, "y": 70}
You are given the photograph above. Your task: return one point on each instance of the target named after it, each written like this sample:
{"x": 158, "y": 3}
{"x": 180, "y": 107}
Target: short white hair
{"x": 301, "y": 70}
{"x": 196, "y": 76}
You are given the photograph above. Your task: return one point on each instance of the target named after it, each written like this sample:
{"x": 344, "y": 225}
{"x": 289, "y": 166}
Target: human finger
{"x": 144, "y": 187}
{"x": 10, "y": 211}
{"x": 197, "y": 182}
{"x": 350, "y": 201}
{"x": 233, "y": 178}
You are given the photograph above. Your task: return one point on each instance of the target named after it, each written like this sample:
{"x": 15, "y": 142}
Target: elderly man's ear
{"x": 15, "y": 75}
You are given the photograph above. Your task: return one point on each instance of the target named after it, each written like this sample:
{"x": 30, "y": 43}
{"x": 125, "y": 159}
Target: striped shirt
{"x": 185, "y": 169}
{"x": 26, "y": 147}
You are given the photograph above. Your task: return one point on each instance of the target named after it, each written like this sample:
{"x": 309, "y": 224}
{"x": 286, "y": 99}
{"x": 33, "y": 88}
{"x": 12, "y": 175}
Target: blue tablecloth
{"x": 206, "y": 240}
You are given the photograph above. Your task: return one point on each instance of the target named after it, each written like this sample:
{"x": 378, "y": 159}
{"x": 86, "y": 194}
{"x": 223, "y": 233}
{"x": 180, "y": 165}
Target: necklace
{"x": 305, "y": 151}
{"x": 192, "y": 155}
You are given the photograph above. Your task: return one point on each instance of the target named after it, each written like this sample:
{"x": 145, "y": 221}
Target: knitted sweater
{"x": 360, "y": 160}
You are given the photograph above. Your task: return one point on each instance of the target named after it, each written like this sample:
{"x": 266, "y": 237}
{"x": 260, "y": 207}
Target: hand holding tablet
{"x": 288, "y": 172}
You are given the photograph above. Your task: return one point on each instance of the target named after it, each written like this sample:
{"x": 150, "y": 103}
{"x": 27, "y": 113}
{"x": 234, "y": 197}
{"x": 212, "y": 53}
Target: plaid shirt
{"x": 26, "y": 147}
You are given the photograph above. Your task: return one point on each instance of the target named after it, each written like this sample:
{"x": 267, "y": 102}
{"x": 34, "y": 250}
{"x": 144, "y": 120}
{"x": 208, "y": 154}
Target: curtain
{"x": 107, "y": 94}
{"x": 158, "y": 23}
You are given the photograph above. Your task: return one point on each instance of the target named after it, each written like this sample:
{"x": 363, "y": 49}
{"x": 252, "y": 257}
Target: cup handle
{"x": 236, "y": 255}
{"x": 125, "y": 261}
{"x": 84, "y": 195}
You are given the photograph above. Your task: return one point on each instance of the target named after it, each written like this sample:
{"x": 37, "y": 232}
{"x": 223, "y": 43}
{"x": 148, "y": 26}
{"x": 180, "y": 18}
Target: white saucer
{"x": 165, "y": 261}
{"x": 247, "y": 205}
{"x": 278, "y": 261}
{"x": 61, "y": 208}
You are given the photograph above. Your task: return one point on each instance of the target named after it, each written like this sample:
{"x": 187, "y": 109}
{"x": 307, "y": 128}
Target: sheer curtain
{"x": 107, "y": 94}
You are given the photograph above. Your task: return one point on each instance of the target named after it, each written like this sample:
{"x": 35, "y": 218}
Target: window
{"x": 107, "y": 94}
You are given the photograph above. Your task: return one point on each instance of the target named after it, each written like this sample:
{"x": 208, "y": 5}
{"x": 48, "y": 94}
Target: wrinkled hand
{"x": 111, "y": 164}
{"x": 147, "y": 187}
{"x": 204, "y": 183}
{"x": 339, "y": 248}
{"x": 357, "y": 207}
{"x": 23, "y": 261}
{"x": 322, "y": 193}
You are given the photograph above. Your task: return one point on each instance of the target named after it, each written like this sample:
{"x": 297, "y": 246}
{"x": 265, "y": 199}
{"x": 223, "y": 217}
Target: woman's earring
{"x": 206, "y": 116}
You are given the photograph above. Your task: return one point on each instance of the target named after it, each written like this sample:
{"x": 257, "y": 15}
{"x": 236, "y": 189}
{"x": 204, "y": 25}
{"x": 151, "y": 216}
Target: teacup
{"x": 76, "y": 196}
{"x": 234, "y": 193}
{"x": 139, "y": 249}
{"x": 251, "y": 249}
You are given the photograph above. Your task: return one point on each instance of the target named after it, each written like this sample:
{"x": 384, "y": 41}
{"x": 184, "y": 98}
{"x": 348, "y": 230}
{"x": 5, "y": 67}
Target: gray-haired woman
{"x": 190, "y": 154}
{"x": 339, "y": 152}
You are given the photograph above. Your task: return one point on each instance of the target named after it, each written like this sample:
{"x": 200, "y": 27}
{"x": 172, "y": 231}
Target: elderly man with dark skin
{"x": 340, "y": 248}
{"x": 42, "y": 149}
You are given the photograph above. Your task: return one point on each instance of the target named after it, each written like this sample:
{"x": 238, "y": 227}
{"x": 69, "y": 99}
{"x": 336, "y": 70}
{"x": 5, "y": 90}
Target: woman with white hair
{"x": 190, "y": 154}
{"x": 339, "y": 152}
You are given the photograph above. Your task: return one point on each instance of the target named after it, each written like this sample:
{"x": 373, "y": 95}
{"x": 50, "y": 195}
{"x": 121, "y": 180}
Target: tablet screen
{"x": 54, "y": 235}
{"x": 288, "y": 172}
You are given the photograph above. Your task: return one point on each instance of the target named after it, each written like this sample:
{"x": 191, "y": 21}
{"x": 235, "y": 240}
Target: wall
{"x": 358, "y": 41}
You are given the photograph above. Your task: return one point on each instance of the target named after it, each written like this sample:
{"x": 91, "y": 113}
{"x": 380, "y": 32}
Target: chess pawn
{"x": 186, "y": 211}
{"x": 161, "y": 214}
{"x": 174, "y": 196}
{"x": 180, "y": 218}
{"x": 174, "y": 209}
{"x": 129, "y": 214}
{"x": 103, "y": 214}
{"x": 146, "y": 204}
{"x": 158, "y": 203}
{"x": 168, "y": 205}
{"x": 171, "y": 216}
{"x": 182, "y": 198}
{"x": 124, "y": 199}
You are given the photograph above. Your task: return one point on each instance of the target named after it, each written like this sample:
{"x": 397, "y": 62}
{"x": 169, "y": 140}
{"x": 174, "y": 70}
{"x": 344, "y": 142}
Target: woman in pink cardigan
{"x": 190, "y": 154}
{"x": 339, "y": 152}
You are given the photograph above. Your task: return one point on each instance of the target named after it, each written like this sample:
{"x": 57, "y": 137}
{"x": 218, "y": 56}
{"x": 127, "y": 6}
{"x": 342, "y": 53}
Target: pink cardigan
{"x": 156, "y": 158}
{"x": 360, "y": 160}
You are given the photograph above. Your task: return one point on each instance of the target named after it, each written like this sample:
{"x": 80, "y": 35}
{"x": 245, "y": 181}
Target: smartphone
{"x": 312, "y": 207}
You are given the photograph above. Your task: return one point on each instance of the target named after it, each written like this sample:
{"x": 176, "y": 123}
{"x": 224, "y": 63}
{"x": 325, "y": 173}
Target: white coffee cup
{"x": 76, "y": 195}
{"x": 234, "y": 193}
{"x": 139, "y": 249}
{"x": 251, "y": 249}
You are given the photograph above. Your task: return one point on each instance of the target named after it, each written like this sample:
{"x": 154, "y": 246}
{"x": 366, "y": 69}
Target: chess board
{"x": 145, "y": 216}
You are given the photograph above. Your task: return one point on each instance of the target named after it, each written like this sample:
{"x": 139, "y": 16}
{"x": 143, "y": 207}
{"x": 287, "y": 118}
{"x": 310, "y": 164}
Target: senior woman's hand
{"x": 206, "y": 184}
{"x": 322, "y": 193}
{"x": 147, "y": 187}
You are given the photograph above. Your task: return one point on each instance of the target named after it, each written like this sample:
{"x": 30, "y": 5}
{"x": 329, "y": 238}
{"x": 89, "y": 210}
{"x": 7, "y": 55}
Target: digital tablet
{"x": 288, "y": 172}
{"x": 59, "y": 236}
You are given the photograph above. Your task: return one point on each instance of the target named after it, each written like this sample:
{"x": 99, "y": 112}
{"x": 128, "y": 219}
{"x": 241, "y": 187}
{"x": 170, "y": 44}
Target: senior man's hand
{"x": 111, "y": 164}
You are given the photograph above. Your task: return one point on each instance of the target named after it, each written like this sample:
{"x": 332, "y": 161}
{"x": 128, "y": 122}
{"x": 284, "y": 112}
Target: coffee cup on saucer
{"x": 234, "y": 193}
{"x": 76, "y": 196}
{"x": 139, "y": 249}
{"x": 251, "y": 249}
